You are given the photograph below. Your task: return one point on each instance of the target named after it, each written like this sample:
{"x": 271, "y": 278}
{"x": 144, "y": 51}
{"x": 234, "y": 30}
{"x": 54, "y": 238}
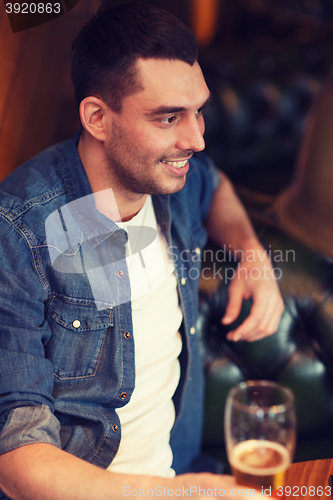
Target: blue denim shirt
{"x": 66, "y": 365}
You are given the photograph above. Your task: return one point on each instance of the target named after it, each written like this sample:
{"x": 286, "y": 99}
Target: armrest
{"x": 299, "y": 354}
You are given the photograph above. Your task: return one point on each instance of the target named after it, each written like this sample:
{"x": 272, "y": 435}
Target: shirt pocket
{"x": 78, "y": 335}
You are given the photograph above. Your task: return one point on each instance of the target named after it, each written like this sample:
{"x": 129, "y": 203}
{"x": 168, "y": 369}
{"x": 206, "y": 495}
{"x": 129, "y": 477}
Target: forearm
{"x": 44, "y": 472}
{"x": 228, "y": 222}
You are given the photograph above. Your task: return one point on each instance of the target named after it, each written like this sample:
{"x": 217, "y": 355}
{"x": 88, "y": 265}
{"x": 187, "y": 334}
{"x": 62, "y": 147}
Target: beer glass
{"x": 260, "y": 434}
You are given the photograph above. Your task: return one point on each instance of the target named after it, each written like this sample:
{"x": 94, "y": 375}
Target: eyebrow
{"x": 166, "y": 110}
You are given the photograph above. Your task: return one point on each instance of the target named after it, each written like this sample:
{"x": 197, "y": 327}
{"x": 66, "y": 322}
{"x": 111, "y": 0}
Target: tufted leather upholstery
{"x": 299, "y": 354}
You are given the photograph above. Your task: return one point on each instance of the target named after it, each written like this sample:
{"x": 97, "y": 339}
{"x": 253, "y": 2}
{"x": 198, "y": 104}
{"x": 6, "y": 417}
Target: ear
{"x": 94, "y": 117}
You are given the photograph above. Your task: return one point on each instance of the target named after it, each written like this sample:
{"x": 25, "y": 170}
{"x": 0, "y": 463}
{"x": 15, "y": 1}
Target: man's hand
{"x": 228, "y": 223}
{"x": 254, "y": 279}
{"x": 205, "y": 485}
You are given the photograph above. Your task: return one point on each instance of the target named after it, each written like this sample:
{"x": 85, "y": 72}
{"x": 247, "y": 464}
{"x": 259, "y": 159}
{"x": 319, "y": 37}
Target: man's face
{"x": 159, "y": 128}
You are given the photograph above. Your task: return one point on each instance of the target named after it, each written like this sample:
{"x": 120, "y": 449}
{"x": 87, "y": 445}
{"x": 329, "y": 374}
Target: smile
{"x": 177, "y": 164}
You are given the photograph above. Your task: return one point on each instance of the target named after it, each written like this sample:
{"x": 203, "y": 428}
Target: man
{"x": 77, "y": 394}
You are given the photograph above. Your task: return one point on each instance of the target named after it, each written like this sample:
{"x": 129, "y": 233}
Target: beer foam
{"x": 258, "y": 456}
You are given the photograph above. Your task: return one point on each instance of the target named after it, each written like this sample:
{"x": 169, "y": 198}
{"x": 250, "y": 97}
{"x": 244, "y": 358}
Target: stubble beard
{"x": 120, "y": 158}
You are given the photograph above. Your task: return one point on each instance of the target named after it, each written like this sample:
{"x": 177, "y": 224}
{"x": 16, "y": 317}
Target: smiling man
{"x": 101, "y": 392}
{"x": 146, "y": 147}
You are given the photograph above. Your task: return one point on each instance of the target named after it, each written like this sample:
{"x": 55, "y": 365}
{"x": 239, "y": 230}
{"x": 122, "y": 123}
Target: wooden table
{"x": 309, "y": 480}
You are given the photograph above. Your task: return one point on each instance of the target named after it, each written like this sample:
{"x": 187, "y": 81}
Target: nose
{"x": 190, "y": 136}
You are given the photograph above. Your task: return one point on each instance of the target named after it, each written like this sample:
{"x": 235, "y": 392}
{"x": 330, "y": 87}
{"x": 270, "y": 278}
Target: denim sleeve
{"x": 27, "y": 425}
{"x": 26, "y": 380}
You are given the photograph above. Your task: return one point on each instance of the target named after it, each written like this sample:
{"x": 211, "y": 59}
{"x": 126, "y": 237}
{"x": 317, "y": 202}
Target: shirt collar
{"x": 95, "y": 226}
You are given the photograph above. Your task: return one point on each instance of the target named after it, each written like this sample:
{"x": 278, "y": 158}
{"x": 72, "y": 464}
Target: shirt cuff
{"x": 28, "y": 425}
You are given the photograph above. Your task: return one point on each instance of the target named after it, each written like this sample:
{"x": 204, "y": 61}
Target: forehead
{"x": 171, "y": 83}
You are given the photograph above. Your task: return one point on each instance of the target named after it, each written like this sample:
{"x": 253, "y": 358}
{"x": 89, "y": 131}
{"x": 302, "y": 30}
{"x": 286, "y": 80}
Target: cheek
{"x": 156, "y": 144}
{"x": 149, "y": 141}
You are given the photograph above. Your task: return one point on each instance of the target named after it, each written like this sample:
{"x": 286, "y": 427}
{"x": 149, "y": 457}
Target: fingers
{"x": 230, "y": 488}
{"x": 204, "y": 485}
{"x": 256, "y": 327}
{"x": 265, "y": 313}
{"x": 236, "y": 294}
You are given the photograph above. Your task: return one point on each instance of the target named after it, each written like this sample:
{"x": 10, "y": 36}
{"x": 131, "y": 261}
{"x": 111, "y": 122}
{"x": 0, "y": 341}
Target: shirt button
{"x": 120, "y": 274}
{"x": 115, "y": 428}
{"x": 197, "y": 251}
{"x": 192, "y": 330}
{"x": 127, "y": 335}
{"x": 183, "y": 281}
{"x": 123, "y": 395}
{"x": 76, "y": 323}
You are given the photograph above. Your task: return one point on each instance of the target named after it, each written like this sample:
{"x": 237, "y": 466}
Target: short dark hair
{"x": 106, "y": 49}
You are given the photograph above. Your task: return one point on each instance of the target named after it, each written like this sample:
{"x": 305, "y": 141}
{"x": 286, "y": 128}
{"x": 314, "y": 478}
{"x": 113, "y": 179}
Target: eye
{"x": 169, "y": 119}
{"x": 200, "y": 110}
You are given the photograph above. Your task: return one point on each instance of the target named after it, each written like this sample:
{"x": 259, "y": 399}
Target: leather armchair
{"x": 297, "y": 232}
{"x": 299, "y": 354}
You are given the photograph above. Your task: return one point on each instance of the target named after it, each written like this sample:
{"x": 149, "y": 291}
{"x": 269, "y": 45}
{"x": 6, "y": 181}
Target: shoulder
{"x": 201, "y": 181}
{"x": 33, "y": 191}
{"x": 203, "y": 166}
{"x": 36, "y": 181}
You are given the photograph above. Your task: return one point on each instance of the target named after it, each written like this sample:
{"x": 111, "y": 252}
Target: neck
{"x": 117, "y": 204}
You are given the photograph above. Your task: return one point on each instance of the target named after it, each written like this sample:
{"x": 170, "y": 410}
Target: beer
{"x": 260, "y": 463}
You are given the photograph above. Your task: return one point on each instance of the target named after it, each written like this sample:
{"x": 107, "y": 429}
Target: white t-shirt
{"x": 148, "y": 417}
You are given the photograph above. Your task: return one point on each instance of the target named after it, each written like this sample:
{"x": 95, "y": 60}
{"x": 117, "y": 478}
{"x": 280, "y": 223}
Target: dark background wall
{"x": 264, "y": 61}
{"x": 36, "y": 98}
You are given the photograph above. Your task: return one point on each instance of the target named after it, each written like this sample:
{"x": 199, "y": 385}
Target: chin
{"x": 175, "y": 187}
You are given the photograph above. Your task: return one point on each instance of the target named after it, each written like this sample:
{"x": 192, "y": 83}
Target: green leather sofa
{"x": 299, "y": 354}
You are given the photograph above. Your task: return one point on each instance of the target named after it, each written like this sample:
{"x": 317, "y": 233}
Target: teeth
{"x": 177, "y": 164}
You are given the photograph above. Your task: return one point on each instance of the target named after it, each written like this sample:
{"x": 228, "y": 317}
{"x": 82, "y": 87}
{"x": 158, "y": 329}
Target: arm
{"x": 44, "y": 472}
{"x": 35, "y": 469}
{"x": 228, "y": 223}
